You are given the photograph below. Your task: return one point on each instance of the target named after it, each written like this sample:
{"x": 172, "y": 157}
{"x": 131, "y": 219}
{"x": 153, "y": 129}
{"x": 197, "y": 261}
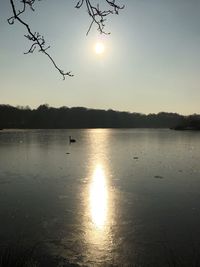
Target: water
{"x": 114, "y": 198}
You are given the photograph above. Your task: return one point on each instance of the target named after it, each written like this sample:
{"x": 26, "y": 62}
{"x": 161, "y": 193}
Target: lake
{"x": 115, "y": 197}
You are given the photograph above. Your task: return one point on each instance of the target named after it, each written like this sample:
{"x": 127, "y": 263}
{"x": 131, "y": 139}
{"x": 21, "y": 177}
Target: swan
{"x": 71, "y": 140}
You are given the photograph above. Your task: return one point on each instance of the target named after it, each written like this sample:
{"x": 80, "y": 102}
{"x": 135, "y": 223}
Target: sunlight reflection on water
{"x": 98, "y": 197}
{"x": 99, "y": 202}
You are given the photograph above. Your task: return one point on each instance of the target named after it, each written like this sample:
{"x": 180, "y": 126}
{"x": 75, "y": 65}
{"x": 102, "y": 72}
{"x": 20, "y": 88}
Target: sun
{"x": 99, "y": 48}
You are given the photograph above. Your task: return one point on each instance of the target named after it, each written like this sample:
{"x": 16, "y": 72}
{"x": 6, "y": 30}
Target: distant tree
{"x": 37, "y": 40}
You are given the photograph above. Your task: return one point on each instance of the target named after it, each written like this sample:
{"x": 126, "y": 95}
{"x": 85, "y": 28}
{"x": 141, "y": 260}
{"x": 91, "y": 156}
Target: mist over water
{"x": 114, "y": 197}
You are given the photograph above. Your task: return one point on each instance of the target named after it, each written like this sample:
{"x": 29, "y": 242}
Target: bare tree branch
{"x": 99, "y": 16}
{"x": 35, "y": 37}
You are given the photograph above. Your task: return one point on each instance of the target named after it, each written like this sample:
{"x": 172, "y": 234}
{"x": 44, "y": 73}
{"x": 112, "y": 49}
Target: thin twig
{"x": 99, "y": 16}
{"x": 37, "y": 39}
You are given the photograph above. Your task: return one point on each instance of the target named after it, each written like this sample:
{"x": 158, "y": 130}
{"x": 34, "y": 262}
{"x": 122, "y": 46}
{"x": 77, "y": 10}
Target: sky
{"x": 151, "y": 61}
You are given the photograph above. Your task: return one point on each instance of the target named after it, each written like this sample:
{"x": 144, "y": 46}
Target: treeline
{"x": 79, "y": 117}
{"x": 189, "y": 123}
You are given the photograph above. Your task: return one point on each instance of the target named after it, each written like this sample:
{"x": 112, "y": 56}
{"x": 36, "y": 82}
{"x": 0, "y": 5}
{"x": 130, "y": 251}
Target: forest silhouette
{"x": 46, "y": 117}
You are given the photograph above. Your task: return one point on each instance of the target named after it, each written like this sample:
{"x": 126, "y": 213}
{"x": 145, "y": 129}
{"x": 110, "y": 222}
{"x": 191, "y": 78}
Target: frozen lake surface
{"x": 116, "y": 197}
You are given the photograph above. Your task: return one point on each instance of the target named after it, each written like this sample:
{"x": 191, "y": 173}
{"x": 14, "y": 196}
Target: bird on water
{"x": 71, "y": 140}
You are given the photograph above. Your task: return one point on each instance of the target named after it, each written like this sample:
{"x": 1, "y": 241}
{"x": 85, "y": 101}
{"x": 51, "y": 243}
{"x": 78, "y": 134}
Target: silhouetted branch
{"x": 35, "y": 37}
{"x": 99, "y": 16}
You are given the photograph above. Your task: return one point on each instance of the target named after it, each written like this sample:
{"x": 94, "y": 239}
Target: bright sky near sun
{"x": 149, "y": 63}
{"x": 99, "y": 48}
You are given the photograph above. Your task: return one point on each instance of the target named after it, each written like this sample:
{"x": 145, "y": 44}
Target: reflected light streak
{"x": 98, "y": 197}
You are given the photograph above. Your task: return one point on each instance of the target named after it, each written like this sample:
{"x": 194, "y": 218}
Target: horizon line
{"x": 103, "y": 109}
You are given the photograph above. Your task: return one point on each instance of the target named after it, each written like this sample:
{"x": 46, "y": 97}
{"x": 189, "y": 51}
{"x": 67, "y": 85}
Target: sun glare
{"x": 98, "y": 197}
{"x": 99, "y": 48}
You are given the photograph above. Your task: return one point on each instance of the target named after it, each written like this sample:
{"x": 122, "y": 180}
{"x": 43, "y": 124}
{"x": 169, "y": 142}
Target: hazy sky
{"x": 151, "y": 61}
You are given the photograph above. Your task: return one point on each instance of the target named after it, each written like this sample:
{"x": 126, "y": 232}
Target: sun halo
{"x": 99, "y": 48}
